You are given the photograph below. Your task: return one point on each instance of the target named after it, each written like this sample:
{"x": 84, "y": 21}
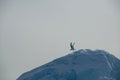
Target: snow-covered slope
{"x": 83, "y": 64}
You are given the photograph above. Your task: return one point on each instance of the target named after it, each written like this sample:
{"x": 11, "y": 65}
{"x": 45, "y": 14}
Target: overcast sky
{"x": 34, "y": 32}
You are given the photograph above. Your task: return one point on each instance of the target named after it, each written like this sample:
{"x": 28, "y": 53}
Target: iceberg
{"x": 83, "y": 64}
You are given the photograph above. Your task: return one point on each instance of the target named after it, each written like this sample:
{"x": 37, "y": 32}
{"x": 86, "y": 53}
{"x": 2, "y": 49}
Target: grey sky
{"x": 34, "y": 32}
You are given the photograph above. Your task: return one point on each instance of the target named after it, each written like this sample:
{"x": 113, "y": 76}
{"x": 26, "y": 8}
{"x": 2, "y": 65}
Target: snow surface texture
{"x": 83, "y": 64}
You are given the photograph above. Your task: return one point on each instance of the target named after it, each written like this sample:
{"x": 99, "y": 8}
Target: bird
{"x": 72, "y": 46}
